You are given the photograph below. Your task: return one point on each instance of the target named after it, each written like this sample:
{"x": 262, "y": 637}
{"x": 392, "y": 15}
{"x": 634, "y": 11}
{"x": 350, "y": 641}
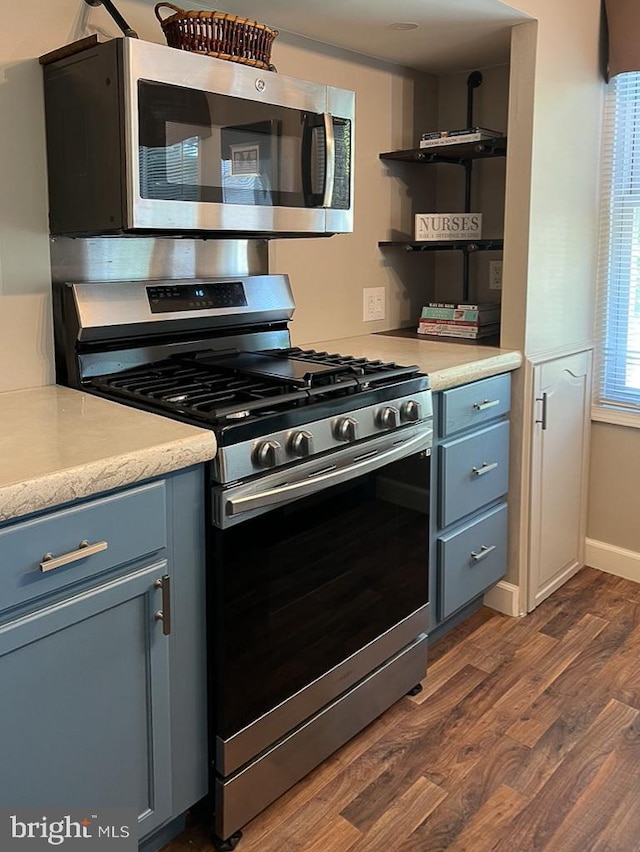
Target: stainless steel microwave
{"x": 143, "y": 138}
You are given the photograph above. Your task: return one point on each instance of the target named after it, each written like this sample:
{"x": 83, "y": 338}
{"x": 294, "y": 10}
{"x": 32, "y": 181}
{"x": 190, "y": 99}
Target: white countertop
{"x": 58, "y": 445}
{"x": 447, "y": 363}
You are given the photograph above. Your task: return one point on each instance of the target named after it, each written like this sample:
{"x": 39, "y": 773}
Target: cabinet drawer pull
{"x": 51, "y": 562}
{"x": 488, "y": 403}
{"x": 482, "y": 553}
{"x": 164, "y": 614}
{"x": 484, "y": 468}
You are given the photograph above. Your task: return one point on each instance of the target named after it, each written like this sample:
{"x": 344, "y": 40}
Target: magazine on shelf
{"x": 439, "y": 329}
{"x": 464, "y": 306}
{"x": 451, "y": 137}
{"x": 465, "y": 131}
{"x": 478, "y": 316}
{"x": 441, "y": 305}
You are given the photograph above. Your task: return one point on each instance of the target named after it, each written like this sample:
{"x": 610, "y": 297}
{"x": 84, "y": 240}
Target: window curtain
{"x": 623, "y": 24}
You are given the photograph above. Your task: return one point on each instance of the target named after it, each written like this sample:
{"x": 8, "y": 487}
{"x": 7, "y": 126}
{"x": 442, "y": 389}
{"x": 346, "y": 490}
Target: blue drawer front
{"x": 474, "y": 471}
{"x": 471, "y": 558}
{"x": 473, "y": 405}
{"x": 132, "y": 523}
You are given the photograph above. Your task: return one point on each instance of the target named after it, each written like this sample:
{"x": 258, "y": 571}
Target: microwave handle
{"x": 312, "y": 122}
{"x": 329, "y": 160}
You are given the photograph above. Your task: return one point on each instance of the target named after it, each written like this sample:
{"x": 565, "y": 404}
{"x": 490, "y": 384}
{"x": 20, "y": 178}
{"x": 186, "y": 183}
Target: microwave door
{"x": 218, "y": 148}
{"x": 227, "y": 164}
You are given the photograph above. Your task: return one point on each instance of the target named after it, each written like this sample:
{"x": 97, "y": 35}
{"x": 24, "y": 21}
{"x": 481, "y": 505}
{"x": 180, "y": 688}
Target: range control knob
{"x": 301, "y": 443}
{"x": 346, "y": 429}
{"x": 411, "y": 410}
{"x": 267, "y": 453}
{"x": 388, "y": 417}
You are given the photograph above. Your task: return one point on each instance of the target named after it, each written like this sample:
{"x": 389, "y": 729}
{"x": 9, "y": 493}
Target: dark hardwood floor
{"x": 526, "y": 736}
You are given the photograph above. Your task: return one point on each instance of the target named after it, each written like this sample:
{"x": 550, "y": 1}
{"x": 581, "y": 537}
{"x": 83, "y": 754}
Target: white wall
{"x": 327, "y": 274}
{"x": 552, "y": 203}
{"x": 393, "y": 105}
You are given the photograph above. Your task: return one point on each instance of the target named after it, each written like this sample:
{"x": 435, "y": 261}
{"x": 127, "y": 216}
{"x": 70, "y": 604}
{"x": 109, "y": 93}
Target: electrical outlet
{"x": 374, "y": 303}
{"x": 495, "y": 275}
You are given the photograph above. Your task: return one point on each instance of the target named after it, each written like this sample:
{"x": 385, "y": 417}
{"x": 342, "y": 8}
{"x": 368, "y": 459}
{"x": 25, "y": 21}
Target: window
{"x": 619, "y": 259}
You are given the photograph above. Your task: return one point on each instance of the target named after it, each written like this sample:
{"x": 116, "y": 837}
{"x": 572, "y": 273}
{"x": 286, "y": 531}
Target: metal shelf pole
{"x": 473, "y": 81}
{"x": 117, "y": 17}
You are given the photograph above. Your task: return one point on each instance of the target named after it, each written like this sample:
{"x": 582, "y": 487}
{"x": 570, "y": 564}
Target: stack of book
{"x": 449, "y": 137}
{"x": 469, "y": 322}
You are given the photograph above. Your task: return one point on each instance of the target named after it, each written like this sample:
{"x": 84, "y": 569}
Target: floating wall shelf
{"x": 445, "y": 245}
{"x": 456, "y": 153}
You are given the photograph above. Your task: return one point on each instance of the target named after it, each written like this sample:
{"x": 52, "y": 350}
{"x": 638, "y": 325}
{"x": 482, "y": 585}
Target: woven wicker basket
{"x": 219, "y": 34}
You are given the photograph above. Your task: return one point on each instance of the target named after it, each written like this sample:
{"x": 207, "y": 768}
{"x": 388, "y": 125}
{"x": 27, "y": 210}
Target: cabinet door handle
{"x": 543, "y": 400}
{"x": 51, "y": 562}
{"x": 482, "y": 553}
{"x": 164, "y": 614}
{"x": 488, "y": 403}
{"x": 485, "y": 467}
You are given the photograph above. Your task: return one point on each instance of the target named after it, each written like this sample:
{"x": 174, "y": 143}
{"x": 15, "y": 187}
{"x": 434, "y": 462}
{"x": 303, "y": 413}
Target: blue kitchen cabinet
{"x": 469, "y": 506}
{"x": 102, "y": 658}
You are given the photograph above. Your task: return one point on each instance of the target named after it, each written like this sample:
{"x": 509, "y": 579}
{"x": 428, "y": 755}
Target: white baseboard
{"x": 504, "y": 597}
{"x": 612, "y": 559}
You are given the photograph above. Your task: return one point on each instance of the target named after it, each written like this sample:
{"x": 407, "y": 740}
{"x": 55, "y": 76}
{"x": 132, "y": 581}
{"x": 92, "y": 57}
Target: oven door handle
{"x": 370, "y": 461}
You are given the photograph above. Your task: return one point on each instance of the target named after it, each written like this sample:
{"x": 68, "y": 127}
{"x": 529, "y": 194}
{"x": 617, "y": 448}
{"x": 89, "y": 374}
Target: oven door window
{"x": 304, "y": 586}
{"x": 203, "y": 147}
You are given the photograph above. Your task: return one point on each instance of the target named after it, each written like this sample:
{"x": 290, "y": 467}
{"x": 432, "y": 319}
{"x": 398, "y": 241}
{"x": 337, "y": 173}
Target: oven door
{"x": 321, "y": 576}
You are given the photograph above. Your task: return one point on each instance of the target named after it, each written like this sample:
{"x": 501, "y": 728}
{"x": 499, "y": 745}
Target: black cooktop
{"x": 238, "y": 390}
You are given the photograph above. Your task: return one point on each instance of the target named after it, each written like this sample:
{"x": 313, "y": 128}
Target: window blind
{"x": 618, "y": 307}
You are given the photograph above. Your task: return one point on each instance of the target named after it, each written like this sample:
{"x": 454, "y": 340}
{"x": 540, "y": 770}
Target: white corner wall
{"x": 549, "y": 298}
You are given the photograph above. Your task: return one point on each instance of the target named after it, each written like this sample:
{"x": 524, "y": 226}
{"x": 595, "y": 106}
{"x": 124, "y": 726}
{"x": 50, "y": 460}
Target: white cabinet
{"x": 559, "y": 460}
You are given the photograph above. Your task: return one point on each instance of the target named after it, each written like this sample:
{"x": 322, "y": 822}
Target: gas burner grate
{"x": 204, "y": 392}
{"x": 203, "y": 388}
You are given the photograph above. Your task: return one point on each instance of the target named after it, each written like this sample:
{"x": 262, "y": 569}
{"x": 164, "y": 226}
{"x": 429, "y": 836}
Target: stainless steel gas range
{"x": 318, "y": 506}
